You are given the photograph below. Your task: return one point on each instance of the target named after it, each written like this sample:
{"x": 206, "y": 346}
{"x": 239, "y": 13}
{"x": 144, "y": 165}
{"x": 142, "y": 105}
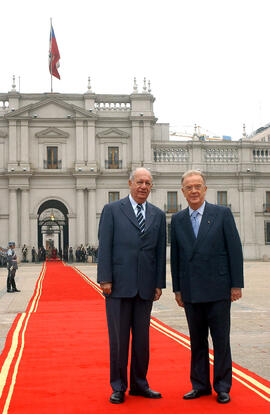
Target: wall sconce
{"x": 91, "y": 169}
{"x": 79, "y": 169}
{"x": 12, "y": 169}
{"x": 35, "y": 116}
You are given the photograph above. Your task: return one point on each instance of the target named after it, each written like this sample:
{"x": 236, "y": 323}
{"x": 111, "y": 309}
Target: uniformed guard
{"x": 12, "y": 266}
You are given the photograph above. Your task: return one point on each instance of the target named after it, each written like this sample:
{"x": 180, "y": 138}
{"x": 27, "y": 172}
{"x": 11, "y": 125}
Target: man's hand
{"x": 158, "y": 293}
{"x": 178, "y": 298}
{"x": 236, "y": 293}
{"x": 107, "y": 288}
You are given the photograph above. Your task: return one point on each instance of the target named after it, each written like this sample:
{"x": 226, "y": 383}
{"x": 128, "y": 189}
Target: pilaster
{"x": 79, "y": 144}
{"x": 92, "y": 218}
{"x": 80, "y": 210}
{"x": 13, "y": 215}
{"x": 25, "y": 223}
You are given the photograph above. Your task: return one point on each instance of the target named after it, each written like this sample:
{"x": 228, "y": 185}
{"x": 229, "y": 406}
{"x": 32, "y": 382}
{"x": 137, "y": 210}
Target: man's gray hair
{"x": 193, "y": 172}
{"x": 132, "y": 174}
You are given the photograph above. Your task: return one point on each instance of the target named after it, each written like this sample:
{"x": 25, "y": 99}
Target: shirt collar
{"x": 200, "y": 209}
{"x": 134, "y": 203}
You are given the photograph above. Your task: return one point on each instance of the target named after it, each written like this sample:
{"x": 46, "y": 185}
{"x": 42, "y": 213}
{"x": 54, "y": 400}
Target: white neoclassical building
{"x": 63, "y": 156}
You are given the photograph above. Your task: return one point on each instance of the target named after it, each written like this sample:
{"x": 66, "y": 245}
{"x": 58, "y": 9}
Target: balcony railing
{"x": 52, "y": 165}
{"x": 116, "y": 165}
{"x": 266, "y": 208}
{"x": 172, "y": 209}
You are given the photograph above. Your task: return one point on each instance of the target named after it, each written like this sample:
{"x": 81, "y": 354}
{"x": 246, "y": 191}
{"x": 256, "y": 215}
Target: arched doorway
{"x": 53, "y": 225}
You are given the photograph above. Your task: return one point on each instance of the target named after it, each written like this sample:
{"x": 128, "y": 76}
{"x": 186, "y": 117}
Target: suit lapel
{"x": 127, "y": 209}
{"x": 187, "y": 227}
{"x": 149, "y": 216}
{"x": 206, "y": 223}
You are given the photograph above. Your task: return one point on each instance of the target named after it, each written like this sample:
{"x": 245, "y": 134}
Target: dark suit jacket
{"x": 205, "y": 269}
{"x": 135, "y": 263}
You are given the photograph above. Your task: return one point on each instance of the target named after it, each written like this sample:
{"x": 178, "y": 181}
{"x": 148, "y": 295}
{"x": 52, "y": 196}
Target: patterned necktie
{"x": 195, "y": 222}
{"x": 140, "y": 218}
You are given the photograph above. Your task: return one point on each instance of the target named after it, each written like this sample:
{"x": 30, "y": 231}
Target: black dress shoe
{"x": 223, "y": 397}
{"x": 16, "y": 290}
{"x": 9, "y": 291}
{"x": 196, "y": 394}
{"x": 117, "y": 397}
{"x": 146, "y": 393}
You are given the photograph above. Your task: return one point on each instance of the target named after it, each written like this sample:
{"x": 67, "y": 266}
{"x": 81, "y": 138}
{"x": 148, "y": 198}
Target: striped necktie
{"x": 140, "y": 218}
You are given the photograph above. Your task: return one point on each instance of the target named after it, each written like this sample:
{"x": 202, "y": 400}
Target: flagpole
{"x": 51, "y": 57}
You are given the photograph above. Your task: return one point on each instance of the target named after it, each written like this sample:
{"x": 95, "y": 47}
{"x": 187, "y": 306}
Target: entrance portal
{"x": 53, "y": 226}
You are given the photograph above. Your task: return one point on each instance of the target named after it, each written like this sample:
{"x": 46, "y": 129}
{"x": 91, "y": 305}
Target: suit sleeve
{"x": 161, "y": 255}
{"x": 174, "y": 258}
{"x": 105, "y": 236}
{"x": 234, "y": 249}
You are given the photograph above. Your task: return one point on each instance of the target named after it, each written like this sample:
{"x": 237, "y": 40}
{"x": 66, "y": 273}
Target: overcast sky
{"x": 207, "y": 60}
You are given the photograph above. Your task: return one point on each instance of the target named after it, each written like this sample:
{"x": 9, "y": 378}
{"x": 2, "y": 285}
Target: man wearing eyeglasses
{"x": 207, "y": 275}
{"x": 132, "y": 274}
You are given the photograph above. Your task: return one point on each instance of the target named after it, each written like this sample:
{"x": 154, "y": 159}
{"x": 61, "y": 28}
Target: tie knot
{"x": 139, "y": 207}
{"x": 195, "y": 214}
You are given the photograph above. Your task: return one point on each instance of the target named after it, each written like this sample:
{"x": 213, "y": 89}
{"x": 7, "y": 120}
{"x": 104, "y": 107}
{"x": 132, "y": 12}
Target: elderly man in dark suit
{"x": 131, "y": 272}
{"x": 207, "y": 275}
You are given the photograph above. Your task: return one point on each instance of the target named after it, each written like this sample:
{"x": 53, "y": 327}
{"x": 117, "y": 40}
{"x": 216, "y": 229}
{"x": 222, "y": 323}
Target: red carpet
{"x": 56, "y": 359}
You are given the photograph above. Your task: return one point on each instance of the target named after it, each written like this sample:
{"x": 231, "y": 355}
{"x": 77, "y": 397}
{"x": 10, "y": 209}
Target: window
{"x": 113, "y": 157}
{"x": 267, "y": 232}
{"x": 113, "y": 196}
{"x": 52, "y": 158}
{"x": 169, "y": 233}
{"x": 267, "y": 203}
{"x": 172, "y": 201}
{"x": 222, "y": 198}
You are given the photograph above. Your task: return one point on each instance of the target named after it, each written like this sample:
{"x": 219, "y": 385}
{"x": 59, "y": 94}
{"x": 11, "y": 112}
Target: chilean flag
{"x": 54, "y": 55}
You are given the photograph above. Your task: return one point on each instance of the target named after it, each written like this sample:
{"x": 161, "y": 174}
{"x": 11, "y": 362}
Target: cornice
{"x": 52, "y": 132}
{"x": 18, "y": 113}
{"x": 112, "y": 133}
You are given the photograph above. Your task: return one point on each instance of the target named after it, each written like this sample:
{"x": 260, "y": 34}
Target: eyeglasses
{"x": 141, "y": 183}
{"x": 197, "y": 187}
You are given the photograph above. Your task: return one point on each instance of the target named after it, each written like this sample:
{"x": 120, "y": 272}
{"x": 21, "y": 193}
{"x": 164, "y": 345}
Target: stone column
{"x": 12, "y": 142}
{"x": 91, "y": 156}
{"x": 147, "y": 151}
{"x": 24, "y": 142}
{"x": 92, "y": 220}
{"x": 197, "y": 156}
{"x": 79, "y": 142}
{"x": 136, "y": 141}
{"x": 72, "y": 224}
{"x": 13, "y": 216}
{"x": 33, "y": 231}
{"x": 80, "y": 211}
{"x": 25, "y": 223}
{"x": 247, "y": 217}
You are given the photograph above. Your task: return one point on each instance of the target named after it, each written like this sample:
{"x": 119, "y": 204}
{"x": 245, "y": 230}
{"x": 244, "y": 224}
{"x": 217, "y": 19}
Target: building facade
{"x": 63, "y": 156}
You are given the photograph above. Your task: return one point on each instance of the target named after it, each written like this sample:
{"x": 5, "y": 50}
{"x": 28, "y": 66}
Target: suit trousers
{"x": 202, "y": 317}
{"x": 125, "y": 315}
